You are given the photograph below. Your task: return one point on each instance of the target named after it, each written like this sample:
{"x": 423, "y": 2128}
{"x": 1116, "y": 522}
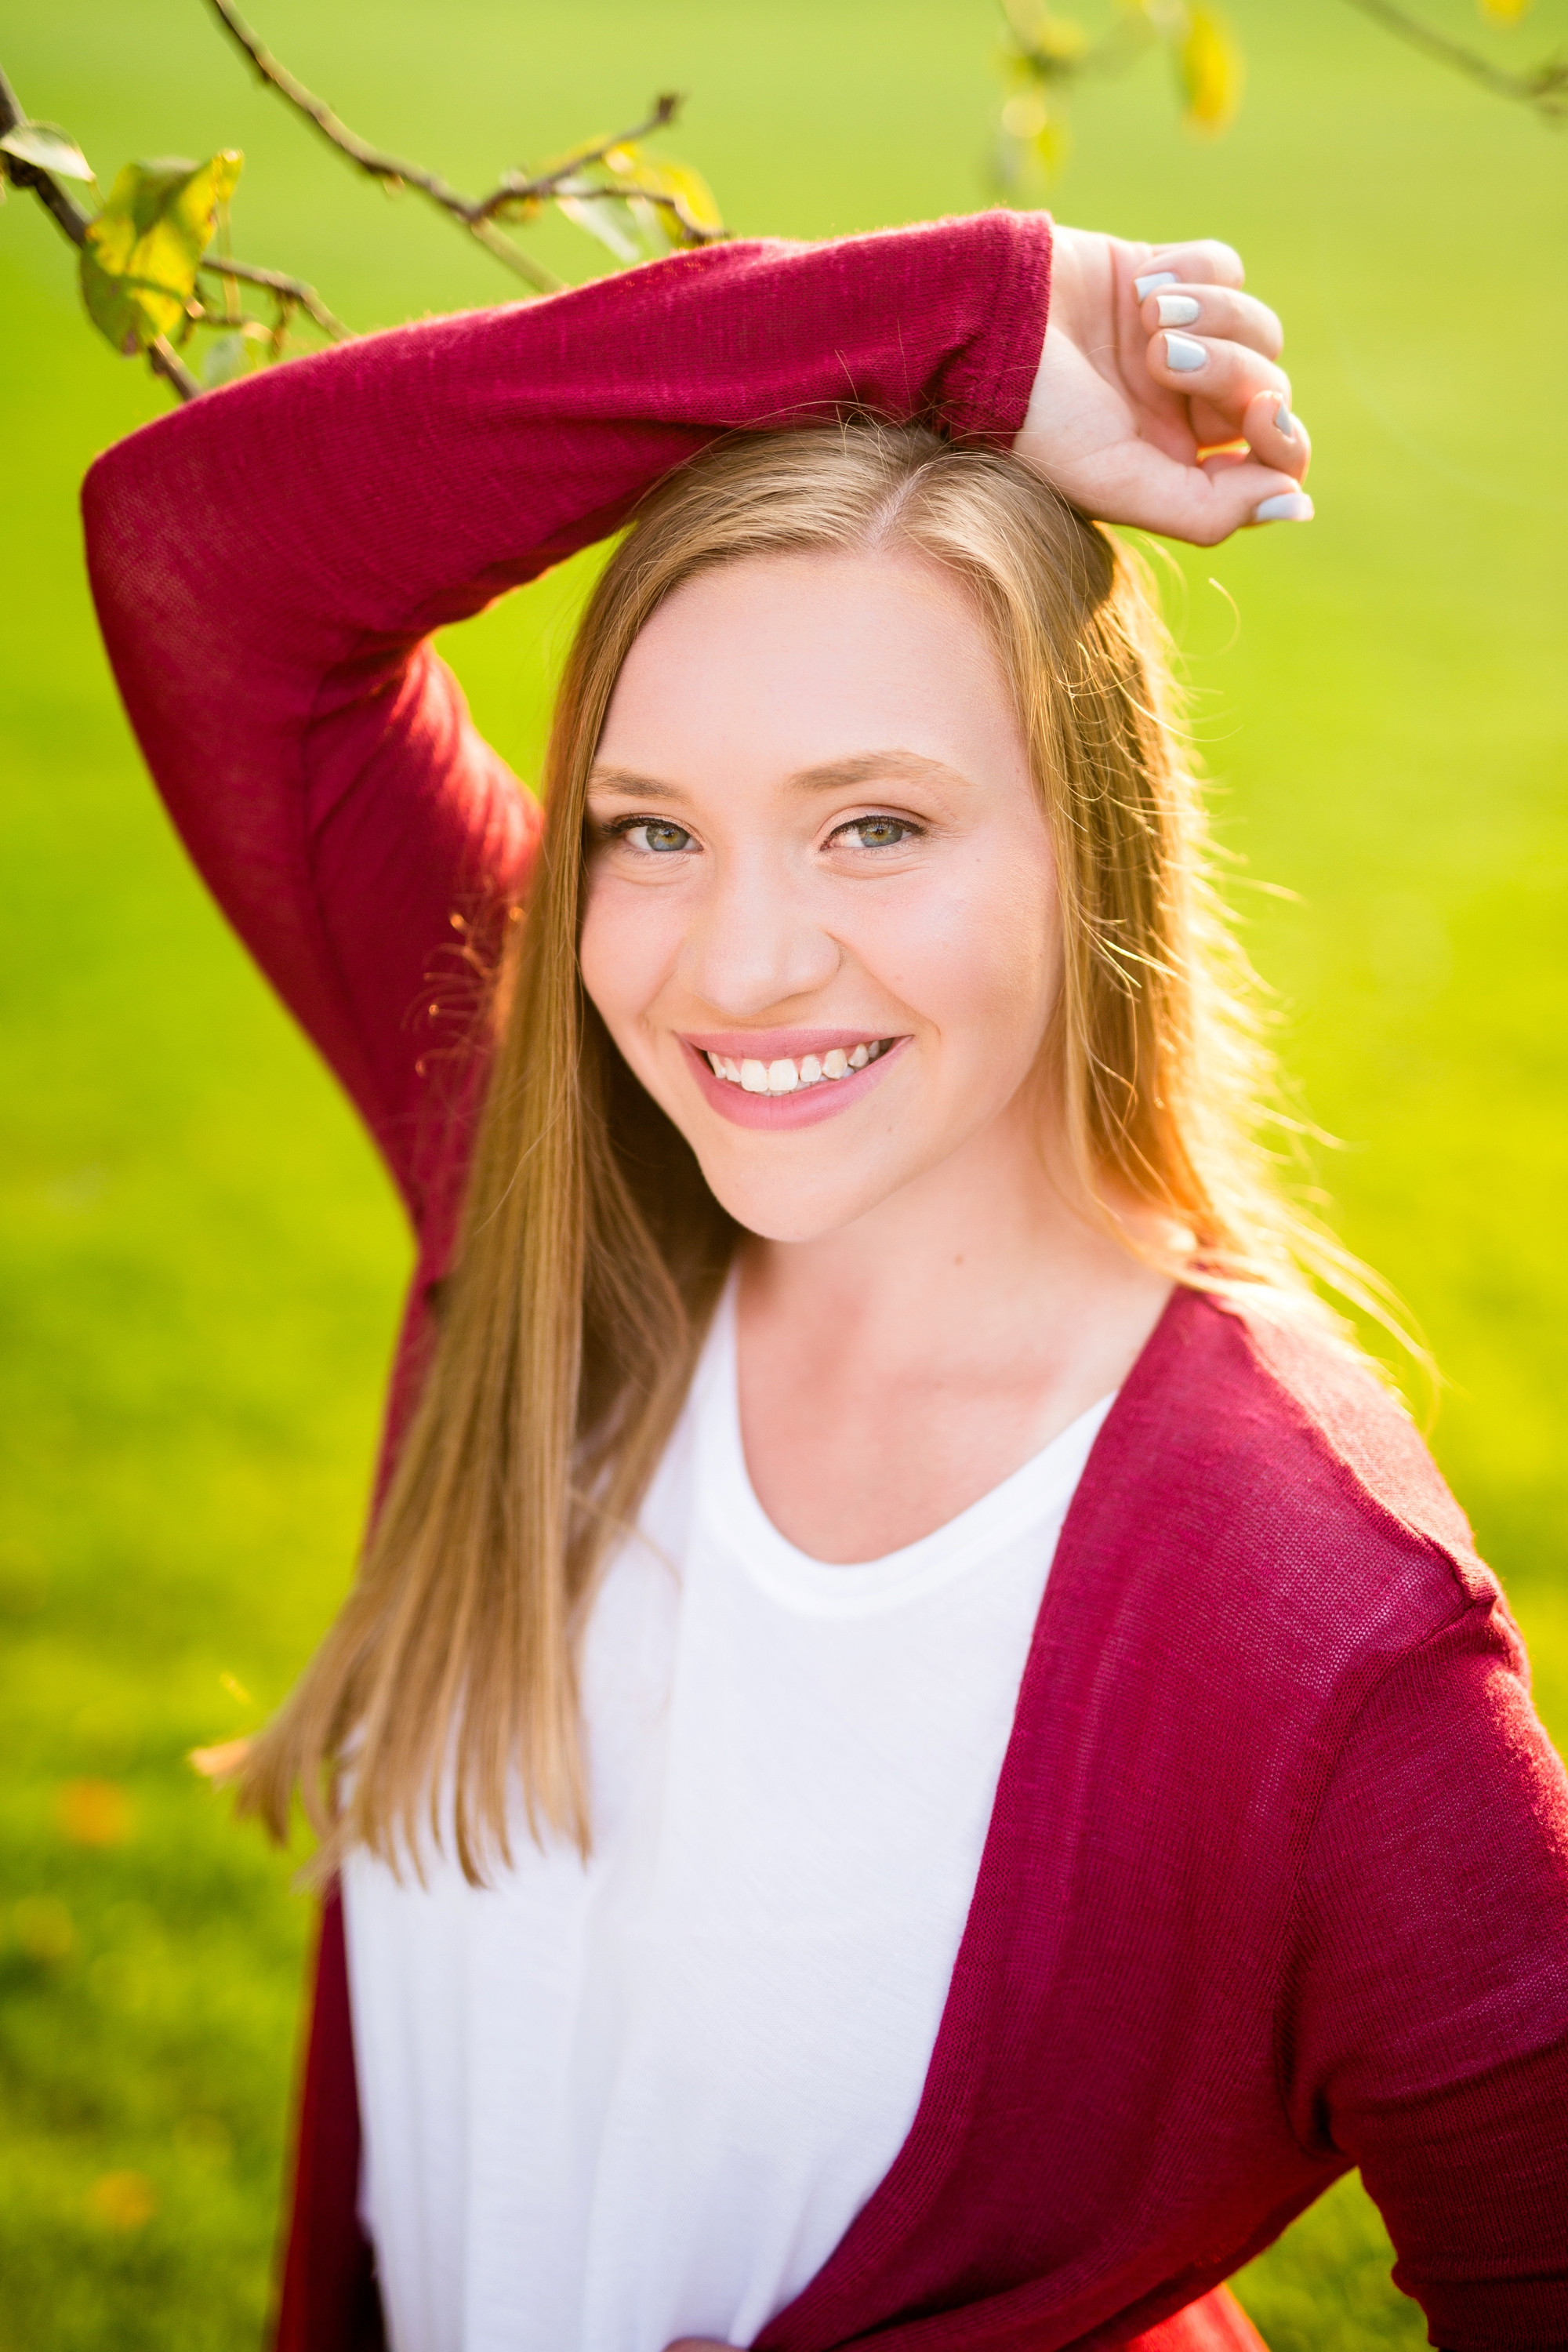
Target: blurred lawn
{"x": 199, "y": 1260}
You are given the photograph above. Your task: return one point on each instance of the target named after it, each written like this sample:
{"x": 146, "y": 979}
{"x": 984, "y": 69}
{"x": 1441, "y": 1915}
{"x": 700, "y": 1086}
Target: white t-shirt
{"x": 611, "y": 2104}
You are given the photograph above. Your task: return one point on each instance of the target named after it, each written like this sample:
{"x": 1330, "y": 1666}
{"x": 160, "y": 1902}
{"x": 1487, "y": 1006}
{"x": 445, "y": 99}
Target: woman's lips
{"x": 806, "y": 1104}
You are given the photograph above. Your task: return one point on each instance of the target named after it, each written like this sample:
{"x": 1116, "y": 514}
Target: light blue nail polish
{"x": 1179, "y": 310}
{"x": 1144, "y": 286}
{"x": 1184, "y": 354}
{"x": 1284, "y": 422}
{"x": 1289, "y": 505}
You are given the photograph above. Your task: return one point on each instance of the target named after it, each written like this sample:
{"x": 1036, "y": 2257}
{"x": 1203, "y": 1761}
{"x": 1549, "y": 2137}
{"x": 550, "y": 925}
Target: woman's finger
{"x": 1227, "y": 377}
{"x": 1215, "y": 310}
{"x": 1205, "y": 504}
{"x": 1276, "y": 436}
{"x": 1133, "y": 482}
{"x": 1205, "y": 262}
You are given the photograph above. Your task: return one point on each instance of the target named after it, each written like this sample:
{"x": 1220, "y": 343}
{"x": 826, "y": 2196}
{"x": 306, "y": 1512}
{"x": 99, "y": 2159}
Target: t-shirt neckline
{"x": 1034, "y": 1496}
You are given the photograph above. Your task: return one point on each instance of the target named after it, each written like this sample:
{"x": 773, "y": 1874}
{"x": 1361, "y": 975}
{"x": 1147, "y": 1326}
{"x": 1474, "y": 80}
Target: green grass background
{"x": 200, "y": 1262}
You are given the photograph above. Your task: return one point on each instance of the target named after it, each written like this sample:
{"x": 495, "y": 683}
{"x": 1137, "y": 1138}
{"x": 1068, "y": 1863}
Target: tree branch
{"x": 72, "y": 222}
{"x": 518, "y": 187}
{"x": 294, "y": 289}
{"x": 478, "y": 214}
{"x": 1543, "y": 87}
{"x": 391, "y": 170}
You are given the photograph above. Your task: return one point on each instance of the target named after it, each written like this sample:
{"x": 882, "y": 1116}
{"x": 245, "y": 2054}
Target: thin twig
{"x": 72, "y": 222}
{"x": 275, "y": 280}
{"x": 496, "y": 241}
{"x": 521, "y": 186}
{"x": 1545, "y": 86}
{"x": 165, "y": 361}
{"x": 391, "y": 170}
{"x": 559, "y": 184}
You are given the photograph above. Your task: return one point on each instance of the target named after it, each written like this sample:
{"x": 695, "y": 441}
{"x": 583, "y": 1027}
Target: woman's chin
{"x": 791, "y": 1207}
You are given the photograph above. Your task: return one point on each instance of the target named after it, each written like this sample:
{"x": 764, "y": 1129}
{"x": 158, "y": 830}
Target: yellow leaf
{"x": 1505, "y": 11}
{"x": 94, "y": 1813}
{"x": 1211, "y": 71}
{"x": 1045, "y": 35}
{"x": 690, "y": 189}
{"x": 123, "y": 2201}
{"x": 1052, "y": 144}
{"x": 139, "y": 260}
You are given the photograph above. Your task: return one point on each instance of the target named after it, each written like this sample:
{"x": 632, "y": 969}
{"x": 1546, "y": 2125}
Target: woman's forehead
{"x": 808, "y": 661}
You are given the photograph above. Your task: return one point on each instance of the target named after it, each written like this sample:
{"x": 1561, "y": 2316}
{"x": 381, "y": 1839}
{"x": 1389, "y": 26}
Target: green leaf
{"x": 607, "y": 217}
{"x": 226, "y": 357}
{"x": 139, "y": 262}
{"x": 50, "y": 148}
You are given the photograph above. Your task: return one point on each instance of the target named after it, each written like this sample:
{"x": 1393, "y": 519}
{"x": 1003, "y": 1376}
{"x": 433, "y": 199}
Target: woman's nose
{"x": 756, "y": 942}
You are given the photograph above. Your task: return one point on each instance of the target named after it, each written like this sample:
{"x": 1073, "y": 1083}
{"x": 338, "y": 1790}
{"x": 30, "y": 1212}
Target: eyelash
{"x": 625, "y": 825}
{"x": 908, "y": 830}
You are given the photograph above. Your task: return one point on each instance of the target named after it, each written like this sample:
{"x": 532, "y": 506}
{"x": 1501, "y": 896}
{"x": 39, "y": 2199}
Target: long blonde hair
{"x": 591, "y": 1250}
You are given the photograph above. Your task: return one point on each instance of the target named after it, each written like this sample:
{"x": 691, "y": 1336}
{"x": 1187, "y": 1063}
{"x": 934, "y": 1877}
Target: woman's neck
{"x": 897, "y": 1369}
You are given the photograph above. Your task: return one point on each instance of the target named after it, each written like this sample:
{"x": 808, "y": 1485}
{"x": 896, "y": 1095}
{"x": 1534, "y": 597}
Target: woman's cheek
{"x": 630, "y": 941}
{"x": 977, "y": 963}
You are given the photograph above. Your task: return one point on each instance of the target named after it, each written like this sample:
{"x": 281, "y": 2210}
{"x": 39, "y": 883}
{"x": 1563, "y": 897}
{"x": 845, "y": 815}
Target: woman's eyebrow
{"x": 867, "y": 767}
{"x": 634, "y": 787}
{"x": 826, "y": 776}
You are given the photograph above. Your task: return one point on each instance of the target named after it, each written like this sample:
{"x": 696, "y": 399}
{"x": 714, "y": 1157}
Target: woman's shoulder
{"x": 1267, "y": 1477}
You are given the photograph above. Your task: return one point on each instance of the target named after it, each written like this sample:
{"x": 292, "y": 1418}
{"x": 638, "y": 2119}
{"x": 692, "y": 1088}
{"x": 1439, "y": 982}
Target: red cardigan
{"x": 1277, "y": 1881}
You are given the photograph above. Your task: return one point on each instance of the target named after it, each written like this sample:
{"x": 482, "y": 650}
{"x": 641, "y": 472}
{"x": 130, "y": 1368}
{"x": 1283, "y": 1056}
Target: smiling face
{"x": 820, "y": 911}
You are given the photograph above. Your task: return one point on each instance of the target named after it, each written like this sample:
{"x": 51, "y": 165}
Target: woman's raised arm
{"x": 268, "y": 562}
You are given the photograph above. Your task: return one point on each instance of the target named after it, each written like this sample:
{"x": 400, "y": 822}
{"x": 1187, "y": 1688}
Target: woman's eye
{"x": 656, "y": 834}
{"x": 876, "y": 832}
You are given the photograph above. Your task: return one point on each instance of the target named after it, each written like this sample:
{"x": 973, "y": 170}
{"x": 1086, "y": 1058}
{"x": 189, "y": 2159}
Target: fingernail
{"x": 1284, "y": 422}
{"x": 1143, "y": 287}
{"x": 1179, "y": 310}
{"x": 1289, "y": 505}
{"x": 1184, "y": 354}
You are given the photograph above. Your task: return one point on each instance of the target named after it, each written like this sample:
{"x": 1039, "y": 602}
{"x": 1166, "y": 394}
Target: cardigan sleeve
{"x": 1428, "y": 2036}
{"x": 267, "y": 563}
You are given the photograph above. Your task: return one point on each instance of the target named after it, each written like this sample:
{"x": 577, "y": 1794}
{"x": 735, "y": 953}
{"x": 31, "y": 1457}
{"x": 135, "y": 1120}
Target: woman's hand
{"x": 1154, "y": 361}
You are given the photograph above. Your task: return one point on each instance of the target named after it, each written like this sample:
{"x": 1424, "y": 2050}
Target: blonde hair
{"x": 592, "y": 1252}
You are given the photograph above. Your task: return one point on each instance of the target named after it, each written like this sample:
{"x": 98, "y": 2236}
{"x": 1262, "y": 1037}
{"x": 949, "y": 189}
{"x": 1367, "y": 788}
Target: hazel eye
{"x": 876, "y": 833}
{"x": 655, "y": 835}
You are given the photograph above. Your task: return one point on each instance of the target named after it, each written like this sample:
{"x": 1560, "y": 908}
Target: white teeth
{"x": 783, "y": 1076}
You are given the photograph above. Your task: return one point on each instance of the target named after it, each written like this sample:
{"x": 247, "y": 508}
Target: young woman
{"x": 919, "y": 1753}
